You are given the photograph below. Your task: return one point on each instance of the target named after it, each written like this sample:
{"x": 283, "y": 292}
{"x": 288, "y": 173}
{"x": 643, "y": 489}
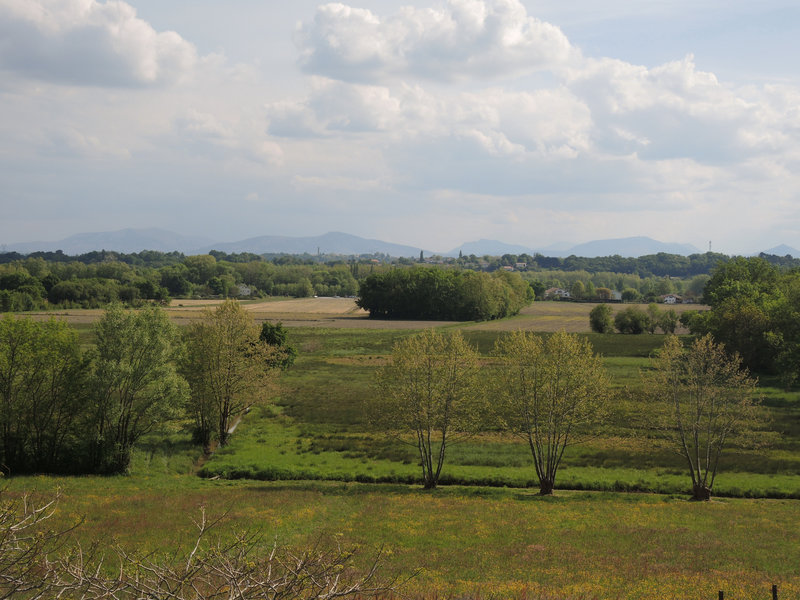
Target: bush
{"x": 600, "y": 319}
{"x": 632, "y": 320}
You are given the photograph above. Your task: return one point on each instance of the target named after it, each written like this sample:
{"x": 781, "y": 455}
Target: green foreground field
{"x": 308, "y": 465}
{"x": 468, "y": 542}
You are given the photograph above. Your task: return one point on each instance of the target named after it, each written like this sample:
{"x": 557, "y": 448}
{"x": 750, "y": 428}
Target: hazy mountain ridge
{"x": 628, "y": 247}
{"x": 333, "y": 242}
{"x": 135, "y": 240}
{"x": 123, "y": 240}
{"x": 783, "y": 250}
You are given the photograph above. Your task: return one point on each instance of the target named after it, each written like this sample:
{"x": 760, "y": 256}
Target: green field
{"x": 308, "y": 465}
{"x": 318, "y": 430}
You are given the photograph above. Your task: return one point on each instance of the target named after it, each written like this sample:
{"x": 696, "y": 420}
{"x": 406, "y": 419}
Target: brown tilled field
{"x": 302, "y": 312}
{"x": 343, "y": 313}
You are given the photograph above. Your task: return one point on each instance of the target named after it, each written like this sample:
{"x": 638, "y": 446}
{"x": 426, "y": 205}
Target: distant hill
{"x": 631, "y": 247}
{"x": 557, "y": 249}
{"x": 490, "y": 247}
{"x": 783, "y": 250}
{"x": 123, "y": 240}
{"x": 136, "y": 240}
{"x": 329, "y": 243}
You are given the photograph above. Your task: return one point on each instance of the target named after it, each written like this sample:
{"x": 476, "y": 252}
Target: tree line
{"x": 552, "y": 391}
{"x": 66, "y": 410}
{"x": 659, "y": 265}
{"x": 633, "y": 319}
{"x": 42, "y": 280}
{"x": 34, "y": 283}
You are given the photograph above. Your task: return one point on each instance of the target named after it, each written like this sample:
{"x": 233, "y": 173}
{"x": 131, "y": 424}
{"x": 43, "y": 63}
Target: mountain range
{"x": 136, "y": 240}
{"x": 124, "y": 240}
{"x": 328, "y": 243}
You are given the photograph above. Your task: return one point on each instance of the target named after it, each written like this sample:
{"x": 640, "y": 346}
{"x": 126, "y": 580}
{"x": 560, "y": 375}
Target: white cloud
{"x": 469, "y": 112}
{"x": 462, "y": 39}
{"x": 86, "y": 42}
{"x": 677, "y": 111}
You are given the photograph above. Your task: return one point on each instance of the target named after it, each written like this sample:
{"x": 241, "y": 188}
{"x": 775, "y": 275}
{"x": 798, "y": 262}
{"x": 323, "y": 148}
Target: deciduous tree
{"x": 228, "y": 368}
{"x": 42, "y": 394}
{"x": 632, "y": 320}
{"x": 600, "y": 319}
{"x": 549, "y": 392}
{"x": 706, "y": 398}
{"x": 275, "y": 335}
{"x": 135, "y": 382}
{"x": 430, "y": 389}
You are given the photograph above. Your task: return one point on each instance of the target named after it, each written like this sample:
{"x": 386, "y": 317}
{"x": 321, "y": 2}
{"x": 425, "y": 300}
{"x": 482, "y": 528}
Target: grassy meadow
{"x": 308, "y": 466}
{"x": 318, "y": 429}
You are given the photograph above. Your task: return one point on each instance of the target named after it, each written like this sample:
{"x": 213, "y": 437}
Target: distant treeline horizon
{"x": 661, "y": 264}
{"x": 43, "y": 280}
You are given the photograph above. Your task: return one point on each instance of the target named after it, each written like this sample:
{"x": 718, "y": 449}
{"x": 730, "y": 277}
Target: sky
{"x": 424, "y": 122}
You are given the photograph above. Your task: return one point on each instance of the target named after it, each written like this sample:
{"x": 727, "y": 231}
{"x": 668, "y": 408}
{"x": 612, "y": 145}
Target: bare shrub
{"x": 37, "y": 563}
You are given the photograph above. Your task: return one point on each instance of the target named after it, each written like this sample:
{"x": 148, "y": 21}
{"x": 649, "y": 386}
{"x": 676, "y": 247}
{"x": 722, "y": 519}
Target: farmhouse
{"x": 554, "y": 292}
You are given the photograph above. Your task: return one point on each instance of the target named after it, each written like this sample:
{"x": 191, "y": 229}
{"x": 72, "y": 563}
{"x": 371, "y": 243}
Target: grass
{"x": 321, "y": 430}
{"x": 471, "y": 542}
{"x": 310, "y": 466}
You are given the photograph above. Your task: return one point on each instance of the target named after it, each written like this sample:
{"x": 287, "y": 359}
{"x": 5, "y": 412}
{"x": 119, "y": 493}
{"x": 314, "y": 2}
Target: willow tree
{"x": 430, "y": 389}
{"x": 549, "y": 392}
{"x": 706, "y": 398}
{"x": 228, "y": 368}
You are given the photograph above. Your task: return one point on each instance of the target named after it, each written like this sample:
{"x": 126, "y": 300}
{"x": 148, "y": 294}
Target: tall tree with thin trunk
{"x": 430, "y": 389}
{"x": 706, "y": 398}
{"x": 228, "y": 368}
{"x": 548, "y": 391}
{"x": 135, "y": 383}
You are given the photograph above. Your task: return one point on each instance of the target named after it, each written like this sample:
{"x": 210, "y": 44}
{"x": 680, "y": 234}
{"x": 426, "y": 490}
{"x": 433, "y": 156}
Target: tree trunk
{"x": 701, "y": 492}
{"x": 546, "y": 487}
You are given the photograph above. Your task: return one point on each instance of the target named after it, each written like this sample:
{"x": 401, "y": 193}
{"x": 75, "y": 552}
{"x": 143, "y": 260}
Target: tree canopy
{"x": 228, "y": 368}
{"x": 442, "y": 294}
{"x": 548, "y": 391}
{"x": 705, "y": 399}
{"x": 431, "y": 390}
{"x": 755, "y": 311}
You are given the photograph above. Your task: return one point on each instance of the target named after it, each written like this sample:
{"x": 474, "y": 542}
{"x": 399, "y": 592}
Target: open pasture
{"x": 320, "y": 429}
{"x": 467, "y": 542}
{"x": 310, "y": 465}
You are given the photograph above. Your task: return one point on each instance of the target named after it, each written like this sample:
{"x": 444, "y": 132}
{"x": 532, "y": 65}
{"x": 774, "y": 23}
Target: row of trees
{"x": 35, "y": 284}
{"x": 657, "y": 265}
{"x": 633, "y": 319}
{"x": 441, "y": 294}
{"x": 601, "y": 285}
{"x": 551, "y": 392}
{"x": 70, "y": 411}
